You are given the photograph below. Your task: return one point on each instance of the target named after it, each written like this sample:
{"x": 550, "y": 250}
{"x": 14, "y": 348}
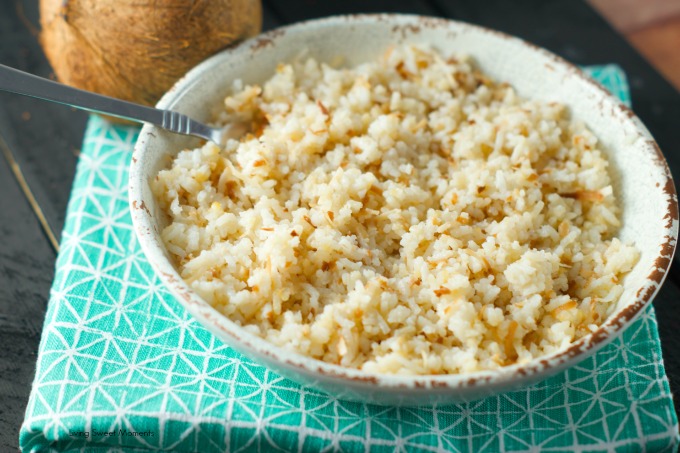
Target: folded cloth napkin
{"x": 123, "y": 367}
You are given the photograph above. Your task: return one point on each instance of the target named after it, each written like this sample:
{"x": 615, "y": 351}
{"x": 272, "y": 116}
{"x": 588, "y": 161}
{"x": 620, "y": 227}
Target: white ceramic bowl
{"x": 643, "y": 183}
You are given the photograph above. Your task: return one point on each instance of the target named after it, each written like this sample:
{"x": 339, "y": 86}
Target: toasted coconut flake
{"x": 442, "y": 291}
{"x": 510, "y": 351}
{"x": 566, "y": 306}
{"x": 585, "y": 195}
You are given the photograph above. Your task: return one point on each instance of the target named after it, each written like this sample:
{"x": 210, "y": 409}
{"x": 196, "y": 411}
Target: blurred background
{"x": 652, "y": 26}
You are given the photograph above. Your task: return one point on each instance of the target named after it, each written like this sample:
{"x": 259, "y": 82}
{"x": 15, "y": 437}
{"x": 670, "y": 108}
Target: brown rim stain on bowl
{"x": 268, "y": 39}
{"x": 142, "y": 206}
{"x": 610, "y": 328}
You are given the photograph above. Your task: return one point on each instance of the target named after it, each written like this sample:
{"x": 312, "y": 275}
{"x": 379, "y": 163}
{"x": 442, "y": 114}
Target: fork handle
{"x": 20, "y": 82}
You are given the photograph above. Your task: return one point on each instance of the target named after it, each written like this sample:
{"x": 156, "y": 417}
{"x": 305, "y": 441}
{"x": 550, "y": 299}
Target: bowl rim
{"x": 242, "y": 340}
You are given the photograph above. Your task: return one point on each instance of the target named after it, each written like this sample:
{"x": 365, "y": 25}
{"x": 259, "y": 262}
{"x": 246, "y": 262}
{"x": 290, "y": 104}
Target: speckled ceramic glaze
{"x": 642, "y": 182}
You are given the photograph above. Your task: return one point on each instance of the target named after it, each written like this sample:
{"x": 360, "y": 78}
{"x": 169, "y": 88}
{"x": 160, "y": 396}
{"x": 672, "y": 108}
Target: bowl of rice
{"x": 408, "y": 210}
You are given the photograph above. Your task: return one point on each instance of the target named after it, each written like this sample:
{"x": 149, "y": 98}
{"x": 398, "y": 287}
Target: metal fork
{"x": 20, "y": 82}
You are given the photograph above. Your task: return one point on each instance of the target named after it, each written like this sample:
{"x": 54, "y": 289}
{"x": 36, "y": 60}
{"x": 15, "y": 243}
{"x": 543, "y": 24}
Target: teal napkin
{"x": 123, "y": 367}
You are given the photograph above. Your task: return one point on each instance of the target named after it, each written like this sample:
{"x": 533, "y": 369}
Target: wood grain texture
{"x": 26, "y": 271}
{"x": 660, "y": 43}
{"x": 632, "y": 15}
{"x": 652, "y": 26}
{"x": 294, "y": 11}
{"x": 46, "y": 138}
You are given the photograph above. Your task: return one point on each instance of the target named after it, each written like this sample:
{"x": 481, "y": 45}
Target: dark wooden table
{"x": 43, "y": 140}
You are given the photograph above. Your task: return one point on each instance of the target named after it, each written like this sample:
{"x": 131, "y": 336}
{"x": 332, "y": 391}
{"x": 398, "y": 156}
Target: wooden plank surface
{"x": 633, "y": 15}
{"x": 26, "y": 270}
{"x": 660, "y": 42}
{"x": 294, "y": 11}
{"x": 45, "y": 137}
{"x": 652, "y": 26}
{"x": 45, "y": 140}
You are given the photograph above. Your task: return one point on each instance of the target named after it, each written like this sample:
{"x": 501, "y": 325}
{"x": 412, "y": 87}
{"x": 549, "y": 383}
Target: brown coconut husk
{"x": 136, "y": 49}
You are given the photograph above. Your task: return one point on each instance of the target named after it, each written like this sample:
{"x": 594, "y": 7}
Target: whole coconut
{"x": 137, "y": 49}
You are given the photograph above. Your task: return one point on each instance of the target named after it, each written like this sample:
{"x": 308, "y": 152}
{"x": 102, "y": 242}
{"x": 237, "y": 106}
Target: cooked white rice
{"x": 406, "y": 216}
